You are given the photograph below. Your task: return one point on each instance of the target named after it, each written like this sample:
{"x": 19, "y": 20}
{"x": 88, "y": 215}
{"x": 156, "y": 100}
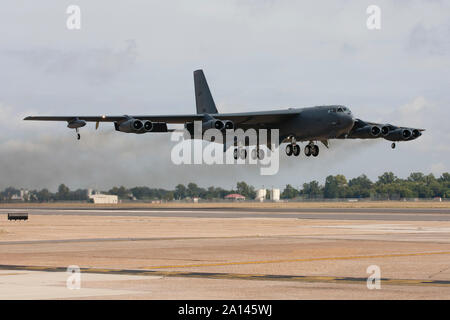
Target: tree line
{"x": 387, "y": 186}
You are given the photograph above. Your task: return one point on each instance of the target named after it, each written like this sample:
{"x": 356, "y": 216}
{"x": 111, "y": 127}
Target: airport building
{"x": 104, "y": 199}
{"x": 234, "y": 196}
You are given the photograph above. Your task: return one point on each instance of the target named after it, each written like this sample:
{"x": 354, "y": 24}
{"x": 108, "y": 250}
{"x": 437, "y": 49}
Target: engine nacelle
{"x": 366, "y": 132}
{"x": 385, "y": 130}
{"x": 213, "y": 124}
{"x": 131, "y": 126}
{"x": 400, "y": 134}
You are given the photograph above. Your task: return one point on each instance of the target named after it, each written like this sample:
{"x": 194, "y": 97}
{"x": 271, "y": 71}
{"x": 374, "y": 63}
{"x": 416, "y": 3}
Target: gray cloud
{"x": 256, "y": 55}
{"x": 96, "y": 65}
{"x": 430, "y": 40}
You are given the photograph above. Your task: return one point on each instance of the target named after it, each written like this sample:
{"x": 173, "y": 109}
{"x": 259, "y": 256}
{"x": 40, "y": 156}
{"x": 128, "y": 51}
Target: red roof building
{"x": 234, "y": 196}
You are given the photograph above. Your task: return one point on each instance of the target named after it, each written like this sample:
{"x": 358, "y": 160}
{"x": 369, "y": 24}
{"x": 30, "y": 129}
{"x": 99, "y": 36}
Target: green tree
{"x": 360, "y": 187}
{"x": 312, "y": 190}
{"x": 44, "y": 195}
{"x": 335, "y": 186}
{"x": 180, "y": 192}
{"x": 193, "y": 190}
{"x": 289, "y": 192}
{"x": 63, "y": 192}
{"x": 245, "y": 190}
{"x": 387, "y": 178}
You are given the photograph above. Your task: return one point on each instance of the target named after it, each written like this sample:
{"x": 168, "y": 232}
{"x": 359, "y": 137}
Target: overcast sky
{"x": 137, "y": 57}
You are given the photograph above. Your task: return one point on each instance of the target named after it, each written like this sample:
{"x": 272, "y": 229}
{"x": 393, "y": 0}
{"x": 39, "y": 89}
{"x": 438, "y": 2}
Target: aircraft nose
{"x": 348, "y": 121}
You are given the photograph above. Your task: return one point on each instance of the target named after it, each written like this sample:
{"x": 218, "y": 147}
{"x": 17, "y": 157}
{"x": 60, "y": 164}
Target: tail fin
{"x": 203, "y": 98}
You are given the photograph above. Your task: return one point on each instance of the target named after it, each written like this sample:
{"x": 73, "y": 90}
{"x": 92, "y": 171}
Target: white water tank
{"x": 275, "y": 194}
{"x": 261, "y": 194}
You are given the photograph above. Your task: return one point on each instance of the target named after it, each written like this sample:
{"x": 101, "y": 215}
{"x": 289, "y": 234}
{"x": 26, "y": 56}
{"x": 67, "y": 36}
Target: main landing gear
{"x": 293, "y": 149}
{"x": 241, "y": 153}
{"x": 312, "y": 149}
{"x": 393, "y": 145}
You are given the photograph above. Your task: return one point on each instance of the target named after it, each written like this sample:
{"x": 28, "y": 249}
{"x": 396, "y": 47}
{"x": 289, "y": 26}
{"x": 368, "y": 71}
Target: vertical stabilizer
{"x": 203, "y": 98}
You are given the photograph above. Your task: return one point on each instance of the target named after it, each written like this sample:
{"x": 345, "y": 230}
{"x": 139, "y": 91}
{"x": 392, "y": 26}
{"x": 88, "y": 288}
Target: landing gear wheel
{"x": 308, "y": 150}
{"x": 243, "y": 153}
{"x": 315, "y": 150}
{"x": 393, "y": 145}
{"x": 235, "y": 154}
{"x": 254, "y": 154}
{"x": 289, "y": 150}
{"x": 78, "y": 136}
{"x": 296, "y": 150}
{"x": 260, "y": 154}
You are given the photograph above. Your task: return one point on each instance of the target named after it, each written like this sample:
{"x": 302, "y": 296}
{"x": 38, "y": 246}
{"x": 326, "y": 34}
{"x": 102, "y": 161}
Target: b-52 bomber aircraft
{"x": 312, "y": 124}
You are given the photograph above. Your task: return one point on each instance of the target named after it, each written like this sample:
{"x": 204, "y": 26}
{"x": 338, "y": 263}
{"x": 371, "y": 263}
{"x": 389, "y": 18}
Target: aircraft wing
{"x": 157, "y": 118}
{"x": 244, "y": 118}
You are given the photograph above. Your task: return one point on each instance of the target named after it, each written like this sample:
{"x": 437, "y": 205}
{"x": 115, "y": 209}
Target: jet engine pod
{"x": 366, "y": 132}
{"x": 130, "y": 126}
{"x": 399, "y": 134}
{"x": 384, "y": 130}
{"x": 213, "y": 124}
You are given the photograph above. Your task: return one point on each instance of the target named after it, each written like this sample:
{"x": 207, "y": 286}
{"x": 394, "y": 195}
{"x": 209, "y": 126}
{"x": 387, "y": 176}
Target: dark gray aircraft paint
{"x": 319, "y": 123}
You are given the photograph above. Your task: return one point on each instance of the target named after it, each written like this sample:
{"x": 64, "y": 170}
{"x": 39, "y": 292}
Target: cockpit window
{"x": 340, "y": 109}
{"x": 332, "y": 110}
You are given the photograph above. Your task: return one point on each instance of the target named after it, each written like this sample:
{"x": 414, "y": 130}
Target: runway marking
{"x": 218, "y": 264}
{"x": 237, "y": 276}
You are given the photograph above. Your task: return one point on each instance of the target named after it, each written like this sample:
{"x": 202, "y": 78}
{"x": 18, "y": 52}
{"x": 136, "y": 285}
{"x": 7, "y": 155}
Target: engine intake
{"x": 148, "y": 126}
{"x": 406, "y": 133}
{"x": 229, "y": 125}
{"x": 375, "y": 131}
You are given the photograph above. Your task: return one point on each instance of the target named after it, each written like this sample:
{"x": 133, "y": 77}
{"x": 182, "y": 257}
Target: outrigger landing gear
{"x": 78, "y": 134}
{"x": 393, "y": 145}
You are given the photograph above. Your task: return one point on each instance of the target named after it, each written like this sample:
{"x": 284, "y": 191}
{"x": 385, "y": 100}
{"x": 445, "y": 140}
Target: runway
{"x": 381, "y": 214}
{"x": 231, "y": 253}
